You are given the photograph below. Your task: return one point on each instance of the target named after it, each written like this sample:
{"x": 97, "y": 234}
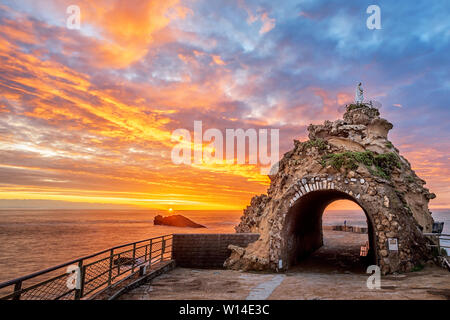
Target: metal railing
{"x": 83, "y": 277}
{"x": 438, "y": 237}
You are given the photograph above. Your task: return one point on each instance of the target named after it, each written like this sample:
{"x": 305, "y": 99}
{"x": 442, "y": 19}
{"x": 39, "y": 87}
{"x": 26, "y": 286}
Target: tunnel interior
{"x": 303, "y": 228}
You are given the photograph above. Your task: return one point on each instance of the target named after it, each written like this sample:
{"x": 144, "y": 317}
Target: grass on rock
{"x": 381, "y": 165}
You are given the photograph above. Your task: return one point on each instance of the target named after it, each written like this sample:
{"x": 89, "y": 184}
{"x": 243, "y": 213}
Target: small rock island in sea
{"x": 176, "y": 221}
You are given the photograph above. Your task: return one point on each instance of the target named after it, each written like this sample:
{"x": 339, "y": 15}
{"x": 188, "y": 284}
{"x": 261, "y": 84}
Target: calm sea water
{"x": 31, "y": 240}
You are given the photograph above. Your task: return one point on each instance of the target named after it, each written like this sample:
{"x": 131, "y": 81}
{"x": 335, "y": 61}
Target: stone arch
{"x": 302, "y": 230}
{"x": 386, "y": 212}
{"x": 301, "y": 226}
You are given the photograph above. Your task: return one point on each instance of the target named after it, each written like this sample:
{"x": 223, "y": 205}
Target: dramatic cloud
{"x": 87, "y": 115}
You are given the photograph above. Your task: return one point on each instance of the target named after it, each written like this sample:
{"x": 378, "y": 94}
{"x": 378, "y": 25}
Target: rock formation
{"x": 176, "y": 221}
{"x": 345, "y": 159}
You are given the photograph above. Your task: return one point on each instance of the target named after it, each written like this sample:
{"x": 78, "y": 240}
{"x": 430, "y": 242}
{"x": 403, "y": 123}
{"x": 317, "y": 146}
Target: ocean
{"x": 31, "y": 240}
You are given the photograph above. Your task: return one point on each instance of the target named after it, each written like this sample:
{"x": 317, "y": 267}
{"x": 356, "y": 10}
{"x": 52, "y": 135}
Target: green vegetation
{"x": 410, "y": 179}
{"x": 381, "y": 165}
{"x": 348, "y": 160}
{"x": 320, "y": 144}
{"x": 385, "y": 163}
{"x": 417, "y": 267}
{"x": 389, "y": 145}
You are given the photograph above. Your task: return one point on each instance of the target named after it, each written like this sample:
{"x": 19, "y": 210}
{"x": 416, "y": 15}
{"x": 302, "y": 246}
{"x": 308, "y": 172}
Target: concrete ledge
{"x": 353, "y": 229}
{"x": 207, "y": 250}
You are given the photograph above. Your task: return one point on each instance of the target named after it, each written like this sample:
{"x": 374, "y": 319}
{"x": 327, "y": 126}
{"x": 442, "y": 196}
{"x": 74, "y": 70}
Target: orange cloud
{"x": 83, "y": 143}
{"x": 218, "y": 60}
{"x": 128, "y": 29}
{"x": 75, "y": 128}
{"x": 267, "y": 23}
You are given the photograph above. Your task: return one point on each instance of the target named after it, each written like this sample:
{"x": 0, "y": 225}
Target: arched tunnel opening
{"x": 305, "y": 235}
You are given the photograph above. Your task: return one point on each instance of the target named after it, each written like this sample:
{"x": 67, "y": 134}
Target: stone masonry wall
{"x": 207, "y": 250}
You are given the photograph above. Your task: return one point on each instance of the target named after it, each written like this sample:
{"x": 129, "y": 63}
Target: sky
{"x": 86, "y": 116}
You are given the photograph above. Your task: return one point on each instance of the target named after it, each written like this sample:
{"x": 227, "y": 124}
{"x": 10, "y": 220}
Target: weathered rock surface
{"x": 176, "y": 221}
{"x": 345, "y": 159}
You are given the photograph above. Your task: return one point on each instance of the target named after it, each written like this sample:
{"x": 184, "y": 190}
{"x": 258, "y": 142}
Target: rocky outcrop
{"x": 350, "y": 158}
{"x": 176, "y": 221}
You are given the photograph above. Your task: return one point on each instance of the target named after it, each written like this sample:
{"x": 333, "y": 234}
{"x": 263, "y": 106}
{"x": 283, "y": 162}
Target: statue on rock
{"x": 359, "y": 97}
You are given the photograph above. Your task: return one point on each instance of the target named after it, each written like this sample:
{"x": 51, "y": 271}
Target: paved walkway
{"x": 333, "y": 272}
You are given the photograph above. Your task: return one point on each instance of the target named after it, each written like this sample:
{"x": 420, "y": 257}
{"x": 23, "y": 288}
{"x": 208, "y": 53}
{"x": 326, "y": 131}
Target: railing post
{"x": 150, "y": 249}
{"x": 146, "y": 252}
{"x": 83, "y": 276}
{"x": 171, "y": 248}
{"x": 111, "y": 256}
{"x": 79, "y": 292}
{"x": 17, "y": 290}
{"x": 134, "y": 256}
{"x": 163, "y": 248}
{"x": 439, "y": 244}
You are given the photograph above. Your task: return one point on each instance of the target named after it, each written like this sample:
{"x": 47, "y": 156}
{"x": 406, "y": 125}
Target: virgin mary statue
{"x": 359, "y": 98}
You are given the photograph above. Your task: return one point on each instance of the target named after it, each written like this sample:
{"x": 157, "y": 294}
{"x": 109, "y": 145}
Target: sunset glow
{"x": 86, "y": 116}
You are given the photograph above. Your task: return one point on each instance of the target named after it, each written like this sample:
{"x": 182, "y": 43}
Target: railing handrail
{"x": 437, "y": 234}
{"x": 439, "y": 237}
{"x": 50, "y": 269}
